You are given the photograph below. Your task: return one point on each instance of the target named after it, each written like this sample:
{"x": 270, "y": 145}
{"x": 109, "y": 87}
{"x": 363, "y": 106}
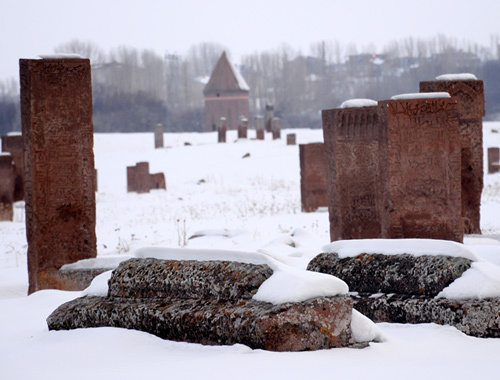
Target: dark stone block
{"x": 7, "y": 181}
{"x": 14, "y": 145}
{"x": 312, "y": 177}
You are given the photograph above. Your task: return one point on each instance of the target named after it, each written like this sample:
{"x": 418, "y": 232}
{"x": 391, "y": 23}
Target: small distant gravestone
{"x": 159, "y": 130}
{"x": 312, "y": 177}
{"x": 13, "y": 143}
{"x": 493, "y": 160}
{"x": 291, "y": 139}
{"x": 56, "y": 114}
{"x": 140, "y": 181}
{"x": 269, "y": 117}
{"x": 221, "y": 130}
{"x": 259, "y": 127}
{"x": 243, "y": 128}
{"x": 276, "y": 128}
{"x": 7, "y": 177}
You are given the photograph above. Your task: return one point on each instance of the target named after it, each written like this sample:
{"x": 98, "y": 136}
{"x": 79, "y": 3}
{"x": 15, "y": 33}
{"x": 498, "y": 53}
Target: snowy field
{"x": 216, "y": 199}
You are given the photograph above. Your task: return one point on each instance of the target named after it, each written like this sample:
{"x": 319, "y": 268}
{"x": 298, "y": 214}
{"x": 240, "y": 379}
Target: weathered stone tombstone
{"x": 259, "y": 127}
{"x": 13, "y": 143}
{"x": 393, "y": 170}
{"x": 493, "y": 160}
{"x": 7, "y": 179}
{"x": 470, "y": 95}
{"x": 269, "y": 115}
{"x": 159, "y": 131}
{"x": 221, "y": 130}
{"x": 140, "y": 181}
{"x": 312, "y": 177}
{"x": 243, "y": 128}
{"x": 276, "y": 128}
{"x": 56, "y": 114}
{"x": 291, "y": 139}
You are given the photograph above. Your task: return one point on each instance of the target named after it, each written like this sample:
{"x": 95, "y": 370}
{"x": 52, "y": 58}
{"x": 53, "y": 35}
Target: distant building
{"x": 226, "y": 95}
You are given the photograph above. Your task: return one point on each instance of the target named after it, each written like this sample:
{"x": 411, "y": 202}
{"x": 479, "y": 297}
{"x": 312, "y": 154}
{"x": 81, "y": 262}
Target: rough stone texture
{"x": 259, "y": 127}
{"x": 493, "y": 160}
{"x": 291, "y": 139}
{"x": 140, "y": 181}
{"x": 14, "y": 145}
{"x": 268, "y": 118}
{"x": 7, "y": 181}
{"x": 159, "y": 130}
{"x": 208, "y": 303}
{"x": 470, "y": 95}
{"x": 393, "y": 170}
{"x": 312, "y": 177}
{"x": 225, "y": 96}
{"x": 243, "y": 128}
{"x": 56, "y": 114}
{"x": 480, "y": 318}
{"x": 276, "y": 128}
{"x": 403, "y": 274}
{"x": 221, "y": 130}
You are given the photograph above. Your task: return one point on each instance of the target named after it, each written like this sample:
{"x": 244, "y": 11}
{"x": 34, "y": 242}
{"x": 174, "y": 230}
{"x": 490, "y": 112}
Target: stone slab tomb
{"x": 222, "y": 130}
{"x": 276, "y": 128}
{"x": 259, "y": 127}
{"x": 393, "y": 170}
{"x": 7, "y": 182}
{"x": 402, "y": 289}
{"x": 159, "y": 131}
{"x": 291, "y": 139}
{"x": 210, "y": 303}
{"x": 493, "y": 160}
{"x": 312, "y": 177}
{"x": 243, "y": 128}
{"x": 140, "y": 181}
{"x": 13, "y": 143}
{"x": 470, "y": 96}
{"x": 56, "y": 114}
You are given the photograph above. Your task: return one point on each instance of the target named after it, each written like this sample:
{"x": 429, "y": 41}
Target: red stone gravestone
{"x": 7, "y": 178}
{"x": 13, "y": 143}
{"x": 312, "y": 177}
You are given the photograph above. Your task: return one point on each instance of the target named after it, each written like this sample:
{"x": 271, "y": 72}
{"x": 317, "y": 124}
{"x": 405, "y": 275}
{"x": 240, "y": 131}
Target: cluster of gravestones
{"x": 409, "y": 167}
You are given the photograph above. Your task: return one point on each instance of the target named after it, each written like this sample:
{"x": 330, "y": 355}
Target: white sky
{"x": 32, "y": 27}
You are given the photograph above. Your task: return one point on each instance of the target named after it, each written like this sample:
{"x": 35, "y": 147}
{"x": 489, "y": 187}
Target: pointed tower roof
{"x": 225, "y": 78}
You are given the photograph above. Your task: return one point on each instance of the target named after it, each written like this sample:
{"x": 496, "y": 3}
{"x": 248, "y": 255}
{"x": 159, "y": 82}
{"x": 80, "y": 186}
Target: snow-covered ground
{"x": 223, "y": 202}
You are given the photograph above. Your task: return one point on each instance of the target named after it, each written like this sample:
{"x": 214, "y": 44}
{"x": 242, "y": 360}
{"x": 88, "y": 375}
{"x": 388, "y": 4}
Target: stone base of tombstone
{"x": 260, "y": 134}
{"x": 71, "y": 280}
{"x": 242, "y": 132}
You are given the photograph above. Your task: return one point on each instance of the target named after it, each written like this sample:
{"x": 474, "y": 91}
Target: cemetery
{"x": 399, "y": 183}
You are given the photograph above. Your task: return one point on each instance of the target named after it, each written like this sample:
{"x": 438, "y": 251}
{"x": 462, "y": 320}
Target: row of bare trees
{"x": 136, "y": 89}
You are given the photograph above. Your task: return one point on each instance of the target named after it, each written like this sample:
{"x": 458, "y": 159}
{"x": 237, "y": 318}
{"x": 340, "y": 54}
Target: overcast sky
{"x": 32, "y": 27}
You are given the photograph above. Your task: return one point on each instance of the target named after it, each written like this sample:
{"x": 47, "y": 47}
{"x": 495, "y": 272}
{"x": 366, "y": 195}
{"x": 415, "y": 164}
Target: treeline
{"x": 133, "y": 90}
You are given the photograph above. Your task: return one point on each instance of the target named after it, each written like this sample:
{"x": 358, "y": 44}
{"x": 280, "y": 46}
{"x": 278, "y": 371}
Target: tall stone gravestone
{"x": 470, "y": 95}
{"x": 222, "y": 130}
{"x": 269, "y": 115}
{"x": 312, "y": 177}
{"x": 56, "y": 113}
{"x": 259, "y": 127}
{"x": 394, "y": 169}
{"x": 6, "y": 187}
{"x": 13, "y": 143}
{"x": 276, "y": 128}
{"x": 159, "y": 130}
{"x": 243, "y": 128}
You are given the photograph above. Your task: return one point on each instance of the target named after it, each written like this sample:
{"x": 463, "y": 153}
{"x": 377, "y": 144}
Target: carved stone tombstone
{"x": 7, "y": 177}
{"x": 159, "y": 130}
{"x": 221, "y": 130}
{"x": 470, "y": 96}
{"x": 13, "y": 143}
{"x": 259, "y": 127}
{"x": 312, "y": 177}
{"x": 291, "y": 139}
{"x": 140, "y": 181}
{"x": 394, "y": 170}
{"x": 276, "y": 128}
{"x": 493, "y": 160}
{"x": 56, "y": 113}
{"x": 269, "y": 115}
{"x": 243, "y": 128}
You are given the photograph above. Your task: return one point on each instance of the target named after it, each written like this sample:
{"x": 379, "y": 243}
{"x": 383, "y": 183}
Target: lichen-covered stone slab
{"x": 403, "y": 274}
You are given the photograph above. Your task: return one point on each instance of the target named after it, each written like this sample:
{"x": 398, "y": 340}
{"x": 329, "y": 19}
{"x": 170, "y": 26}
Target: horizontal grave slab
{"x": 209, "y": 302}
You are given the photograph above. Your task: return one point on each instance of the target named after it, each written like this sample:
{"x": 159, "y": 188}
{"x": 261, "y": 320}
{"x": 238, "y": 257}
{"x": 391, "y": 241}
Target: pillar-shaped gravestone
{"x": 143, "y": 180}
{"x": 276, "y": 128}
{"x": 394, "y": 169}
{"x": 243, "y": 128}
{"x": 259, "y": 127}
{"x": 7, "y": 178}
{"x": 312, "y": 177}
{"x": 221, "y": 130}
{"x": 159, "y": 130}
{"x": 56, "y": 113}
{"x": 470, "y": 95}
{"x": 269, "y": 117}
{"x": 13, "y": 143}
{"x": 493, "y": 160}
{"x": 291, "y": 139}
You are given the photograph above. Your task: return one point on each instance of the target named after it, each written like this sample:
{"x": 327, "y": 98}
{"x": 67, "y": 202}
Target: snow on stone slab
{"x": 99, "y": 285}
{"x": 61, "y": 56}
{"x": 416, "y": 247}
{"x": 111, "y": 262}
{"x": 364, "y": 330}
{"x": 14, "y": 134}
{"x": 461, "y": 76}
{"x": 356, "y": 103}
{"x": 421, "y": 95}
